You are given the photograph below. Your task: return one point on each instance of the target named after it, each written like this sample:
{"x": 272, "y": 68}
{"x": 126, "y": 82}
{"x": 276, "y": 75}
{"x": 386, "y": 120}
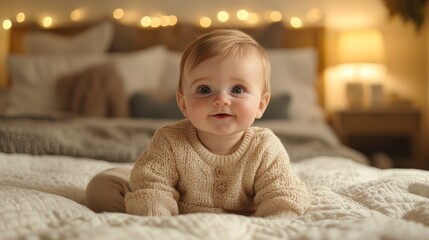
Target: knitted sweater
{"x": 176, "y": 174}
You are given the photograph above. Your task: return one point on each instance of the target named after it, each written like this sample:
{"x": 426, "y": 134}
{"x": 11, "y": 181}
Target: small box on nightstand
{"x": 391, "y": 131}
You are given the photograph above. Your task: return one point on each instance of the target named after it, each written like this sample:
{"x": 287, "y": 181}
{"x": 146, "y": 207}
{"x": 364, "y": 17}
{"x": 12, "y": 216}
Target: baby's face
{"x": 223, "y": 96}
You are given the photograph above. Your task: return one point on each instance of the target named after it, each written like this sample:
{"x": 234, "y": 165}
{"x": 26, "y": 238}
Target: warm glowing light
{"x": 76, "y": 15}
{"x": 165, "y": 21}
{"x": 47, "y": 22}
{"x": 347, "y": 71}
{"x": 173, "y": 20}
{"x": 7, "y": 24}
{"x": 372, "y": 72}
{"x": 295, "y": 22}
{"x": 146, "y": 21}
{"x": 242, "y": 14}
{"x": 118, "y": 13}
{"x": 275, "y": 16}
{"x": 222, "y": 16}
{"x": 369, "y": 73}
{"x": 20, "y": 17}
{"x": 360, "y": 46}
{"x": 253, "y": 18}
{"x": 156, "y": 22}
{"x": 314, "y": 15}
{"x": 205, "y": 22}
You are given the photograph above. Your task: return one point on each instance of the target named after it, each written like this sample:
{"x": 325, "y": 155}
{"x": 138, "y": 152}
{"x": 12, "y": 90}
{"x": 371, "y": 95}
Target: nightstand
{"x": 4, "y": 96}
{"x": 391, "y": 131}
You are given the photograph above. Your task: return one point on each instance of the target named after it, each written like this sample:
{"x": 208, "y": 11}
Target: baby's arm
{"x": 152, "y": 181}
{"x": 278, "y": 191}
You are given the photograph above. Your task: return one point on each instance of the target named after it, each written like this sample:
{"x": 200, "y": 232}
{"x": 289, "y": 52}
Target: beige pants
{"x": 106, "y": 190}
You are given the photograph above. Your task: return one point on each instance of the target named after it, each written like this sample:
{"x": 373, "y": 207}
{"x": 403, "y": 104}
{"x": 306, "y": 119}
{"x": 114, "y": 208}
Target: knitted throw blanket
{"x": 113, "y": 140}
{"x": 120, "y": 139}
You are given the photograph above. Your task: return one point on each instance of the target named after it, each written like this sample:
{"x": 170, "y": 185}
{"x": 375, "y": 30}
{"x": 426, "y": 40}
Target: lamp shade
{"x": 360, "y": 46}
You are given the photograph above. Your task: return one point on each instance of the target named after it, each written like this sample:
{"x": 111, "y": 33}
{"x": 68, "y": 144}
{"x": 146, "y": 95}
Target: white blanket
{"x": 43, "y": 197}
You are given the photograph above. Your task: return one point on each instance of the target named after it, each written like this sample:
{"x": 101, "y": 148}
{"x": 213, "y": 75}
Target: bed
{"x": 88, "y": 97}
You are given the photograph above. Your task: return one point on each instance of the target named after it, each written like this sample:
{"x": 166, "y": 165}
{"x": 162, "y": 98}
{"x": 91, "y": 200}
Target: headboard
{"x": 130, "y": 38}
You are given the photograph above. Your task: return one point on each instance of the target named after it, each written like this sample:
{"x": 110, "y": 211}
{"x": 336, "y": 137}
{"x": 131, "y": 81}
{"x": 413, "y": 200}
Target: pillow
{"x": 141, "y": 70}
{"x": 171, "y": 74}
{"x": 34, "y": 79}
{"x": 96, "y": 39}
{"x": 294, "y": 72}
{"x": 148, "y": 106}
{"x": 34, "y": 76}
{"x": 278, "y": 108}
{"x": 96, "y": 91}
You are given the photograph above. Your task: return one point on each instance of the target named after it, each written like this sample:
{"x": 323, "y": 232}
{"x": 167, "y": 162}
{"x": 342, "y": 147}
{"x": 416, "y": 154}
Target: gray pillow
{"x": 145, "y": 106}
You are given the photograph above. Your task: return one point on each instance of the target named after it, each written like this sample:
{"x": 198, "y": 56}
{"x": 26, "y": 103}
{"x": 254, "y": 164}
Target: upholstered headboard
{"x": 131, "y": 38}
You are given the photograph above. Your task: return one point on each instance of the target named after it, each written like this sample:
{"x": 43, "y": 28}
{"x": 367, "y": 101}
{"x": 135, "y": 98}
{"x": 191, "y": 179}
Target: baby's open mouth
{"x": 221, "y": 115}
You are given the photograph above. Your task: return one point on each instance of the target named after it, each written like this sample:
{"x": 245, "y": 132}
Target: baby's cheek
{"x": 249, "y": 110}
{"x": 198, "y": 107}
{"x": 197, "y": 104}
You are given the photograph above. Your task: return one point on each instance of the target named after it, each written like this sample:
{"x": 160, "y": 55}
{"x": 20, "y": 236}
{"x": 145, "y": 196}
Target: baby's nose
{"x": 221, "y": 99}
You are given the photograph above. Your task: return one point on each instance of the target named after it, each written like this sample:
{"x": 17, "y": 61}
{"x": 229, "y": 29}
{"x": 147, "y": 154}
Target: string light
{"x": 165, "y": 21}
{"x": 295, "y": 22}
{"x": 76, "y": 15}
{"x": 253, "y": 18}
{"x": 312, "y": 16}
{"x": 205, "y": 22}
{"x": 222, "y": 16}
{"x": 275, "y": 16}
{"x": 47, "y": 22}
{"x": 118, "y": 13}
{"x": 242, "y": 14}
{"x": 173, "y": 20}
{"x": 7, "y": 24}
{"x": 146, "y": 21}
{"x": 156, "y": 22}
{"x": 20, "y": 17}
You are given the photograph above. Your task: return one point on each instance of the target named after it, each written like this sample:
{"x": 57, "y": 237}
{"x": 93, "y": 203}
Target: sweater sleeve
{"x": 152, "y": 181}
{"x": 279, "y": 192}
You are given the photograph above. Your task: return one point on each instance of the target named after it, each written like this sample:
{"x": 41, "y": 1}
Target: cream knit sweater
{"x": 176, "y": 175}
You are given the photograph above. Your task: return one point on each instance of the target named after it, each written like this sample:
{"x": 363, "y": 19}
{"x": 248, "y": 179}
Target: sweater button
{"x": 219, "y": 172}
{"x": 221, "y": 188}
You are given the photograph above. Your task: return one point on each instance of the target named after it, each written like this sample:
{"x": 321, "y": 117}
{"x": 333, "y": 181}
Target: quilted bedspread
{"x": 43, "y": 197}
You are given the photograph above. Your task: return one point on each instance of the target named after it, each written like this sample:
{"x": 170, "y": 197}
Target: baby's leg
{"x": 106, "y": 190}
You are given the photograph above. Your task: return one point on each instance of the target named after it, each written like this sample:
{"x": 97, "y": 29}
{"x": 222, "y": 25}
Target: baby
{"x": 213, "y": 161}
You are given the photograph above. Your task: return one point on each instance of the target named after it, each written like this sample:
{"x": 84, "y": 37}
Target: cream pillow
{"x": 96, "y": 39}
{"x": 34, "y": 77}
{"x": 294, "y": 72}
{"x": 141, "y": 70}
{"x": 171, "y": 74}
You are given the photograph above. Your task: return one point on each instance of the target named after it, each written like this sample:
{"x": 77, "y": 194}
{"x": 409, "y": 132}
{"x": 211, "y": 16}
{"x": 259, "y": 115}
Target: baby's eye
{"x": 204, "y": 90}
{"x": 237, "y": 90}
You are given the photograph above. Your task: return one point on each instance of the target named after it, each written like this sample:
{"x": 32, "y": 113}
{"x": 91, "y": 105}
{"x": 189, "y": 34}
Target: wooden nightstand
{"x": 394, "y": 132}
{"x": 4, "y": 95}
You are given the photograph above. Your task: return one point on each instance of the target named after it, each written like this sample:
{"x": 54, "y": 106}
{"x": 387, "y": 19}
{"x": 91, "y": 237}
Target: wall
{"x": 407, "y": 61}
{"x": 4, "y": 40}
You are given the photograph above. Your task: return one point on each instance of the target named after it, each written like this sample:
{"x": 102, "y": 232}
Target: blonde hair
{"x": 223, "y": 42}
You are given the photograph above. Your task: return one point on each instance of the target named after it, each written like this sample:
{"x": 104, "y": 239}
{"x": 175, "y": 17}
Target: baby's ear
{"x": 181, "y": 102}
{"x": 265, "y": 99}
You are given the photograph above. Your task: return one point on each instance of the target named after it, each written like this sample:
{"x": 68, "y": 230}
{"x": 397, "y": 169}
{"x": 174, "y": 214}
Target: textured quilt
{"x": 43, "y": 197}
{"x": 123, "y": 139}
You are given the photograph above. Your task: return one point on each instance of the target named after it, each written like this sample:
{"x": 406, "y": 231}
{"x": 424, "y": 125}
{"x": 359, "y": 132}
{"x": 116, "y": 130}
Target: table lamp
{"x": 358, "y": 52}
